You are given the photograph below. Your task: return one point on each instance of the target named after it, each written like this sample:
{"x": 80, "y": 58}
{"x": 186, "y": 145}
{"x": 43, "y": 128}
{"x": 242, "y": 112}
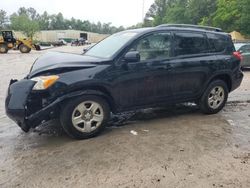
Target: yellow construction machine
{"x": 9, "y": 41}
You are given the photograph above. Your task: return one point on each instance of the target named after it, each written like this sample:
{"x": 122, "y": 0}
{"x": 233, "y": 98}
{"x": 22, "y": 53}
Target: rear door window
{"x": 189, "y": 43}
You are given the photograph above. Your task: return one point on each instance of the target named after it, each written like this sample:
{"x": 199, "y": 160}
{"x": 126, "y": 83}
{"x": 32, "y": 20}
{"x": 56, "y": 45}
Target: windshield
{"x": 112, "y": 44}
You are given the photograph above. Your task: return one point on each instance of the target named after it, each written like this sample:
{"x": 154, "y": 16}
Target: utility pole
{"x": 143, "y": 7}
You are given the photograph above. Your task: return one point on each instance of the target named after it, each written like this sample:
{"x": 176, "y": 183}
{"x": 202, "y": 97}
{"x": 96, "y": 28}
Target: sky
{"x": 118, "y": 12}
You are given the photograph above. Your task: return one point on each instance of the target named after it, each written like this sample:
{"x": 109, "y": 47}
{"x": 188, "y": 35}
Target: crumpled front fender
{"x": 16, "y": 103}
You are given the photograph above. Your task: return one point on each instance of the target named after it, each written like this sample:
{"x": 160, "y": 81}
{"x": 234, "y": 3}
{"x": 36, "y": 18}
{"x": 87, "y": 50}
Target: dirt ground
{"x": 177, "y": 147}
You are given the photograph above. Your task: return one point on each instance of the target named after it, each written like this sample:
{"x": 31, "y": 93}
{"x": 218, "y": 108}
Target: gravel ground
{"x": 177, "y": 147}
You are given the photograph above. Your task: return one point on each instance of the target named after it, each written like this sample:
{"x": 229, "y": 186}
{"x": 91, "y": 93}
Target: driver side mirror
{"x": 132, "y": 57}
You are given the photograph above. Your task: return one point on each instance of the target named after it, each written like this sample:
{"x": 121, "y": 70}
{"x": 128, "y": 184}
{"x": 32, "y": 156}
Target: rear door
{"x": 191, "y": 64}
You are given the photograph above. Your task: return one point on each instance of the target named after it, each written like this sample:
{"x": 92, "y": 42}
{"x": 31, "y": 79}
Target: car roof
{"x": 175, "y": 28}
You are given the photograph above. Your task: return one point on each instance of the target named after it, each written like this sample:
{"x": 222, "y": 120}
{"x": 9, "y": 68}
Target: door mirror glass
{"x": 132, "y": 57}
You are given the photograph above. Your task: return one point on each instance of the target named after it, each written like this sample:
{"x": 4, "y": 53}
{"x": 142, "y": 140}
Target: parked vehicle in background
{"x": 60, "y": 42}
{"x": 67, "y": 40}
{"x": 75, "y": 42}
{"x": 46, "y": 44}
{"x": 130, "y": 70}
{"x": 9, "y": 41}
{"x": 244, "y": 49}
{"x": 63, "y": 42}
{"x": 79, "y": 42}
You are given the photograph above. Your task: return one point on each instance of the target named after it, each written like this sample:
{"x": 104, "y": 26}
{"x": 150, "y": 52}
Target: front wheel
{"x": 214, "y": 98}
{"x": 24, "y": 49}
{"x": 84, "y": 117}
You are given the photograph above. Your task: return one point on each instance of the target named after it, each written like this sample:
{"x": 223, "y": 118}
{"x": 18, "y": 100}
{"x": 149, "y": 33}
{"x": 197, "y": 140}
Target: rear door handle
{"x": 161, "y": 67}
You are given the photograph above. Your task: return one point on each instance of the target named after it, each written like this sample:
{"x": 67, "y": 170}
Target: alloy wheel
{"x": 216, "y": 97}
{"x": 87, "y": 116}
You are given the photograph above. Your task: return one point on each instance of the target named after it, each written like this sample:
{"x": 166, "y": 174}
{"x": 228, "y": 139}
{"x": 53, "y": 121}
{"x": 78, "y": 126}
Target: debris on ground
{"x": 134, "y": 132}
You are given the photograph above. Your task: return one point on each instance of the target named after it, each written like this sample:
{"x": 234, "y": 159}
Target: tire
{"x": 38, "y": 47}
{"x": 214, "y": 98}
{"x": 3, "y": 48}
{"x": 24, "y": 49}
{"x": 85, "y": 125}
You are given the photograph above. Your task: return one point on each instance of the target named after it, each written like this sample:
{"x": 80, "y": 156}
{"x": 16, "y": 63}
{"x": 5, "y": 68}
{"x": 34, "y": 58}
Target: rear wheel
{"x": 214, "y": 98}
{"x": 85, "y": 116}
{"x": 24, "y": 49}
{"x": 3, "y": 48}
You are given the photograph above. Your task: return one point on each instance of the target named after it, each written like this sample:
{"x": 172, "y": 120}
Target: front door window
{"x": 153, "y": 47}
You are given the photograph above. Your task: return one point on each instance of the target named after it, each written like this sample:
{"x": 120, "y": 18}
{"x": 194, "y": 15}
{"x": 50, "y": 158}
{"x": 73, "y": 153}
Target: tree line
{"x": 227, "y": 14}
{"x": 30, "y": 21}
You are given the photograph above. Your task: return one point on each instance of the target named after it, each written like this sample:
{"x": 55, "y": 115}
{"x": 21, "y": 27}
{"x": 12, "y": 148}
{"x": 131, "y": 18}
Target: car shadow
{"x": 53, "y": 128}
{"x": 151, "y": 114}
{"x": 245, "y": 69}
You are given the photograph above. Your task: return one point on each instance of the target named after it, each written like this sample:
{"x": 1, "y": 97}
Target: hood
{"x": 61, "y": 62}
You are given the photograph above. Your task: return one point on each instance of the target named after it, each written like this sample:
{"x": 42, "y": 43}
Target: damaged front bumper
{"x": 28, "y": 108}
{"x": 17, "y": 105}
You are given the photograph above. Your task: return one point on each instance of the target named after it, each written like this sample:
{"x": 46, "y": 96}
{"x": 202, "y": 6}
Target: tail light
{"x": 238, "y": 55}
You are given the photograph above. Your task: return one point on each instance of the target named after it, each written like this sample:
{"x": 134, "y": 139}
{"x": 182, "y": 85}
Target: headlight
{"x": 43, "y": 82}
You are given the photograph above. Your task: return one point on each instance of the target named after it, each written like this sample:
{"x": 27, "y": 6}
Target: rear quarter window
{"x": 190, "y": 43}
{"x": 220, "y": 43}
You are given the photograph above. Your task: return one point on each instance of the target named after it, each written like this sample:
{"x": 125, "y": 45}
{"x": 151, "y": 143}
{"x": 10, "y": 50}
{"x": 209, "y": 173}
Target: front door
{"x": 146, "y": 82}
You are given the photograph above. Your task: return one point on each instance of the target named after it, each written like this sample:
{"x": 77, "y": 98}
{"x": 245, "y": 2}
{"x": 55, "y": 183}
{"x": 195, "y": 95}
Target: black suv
{"x": 130, "y": 70}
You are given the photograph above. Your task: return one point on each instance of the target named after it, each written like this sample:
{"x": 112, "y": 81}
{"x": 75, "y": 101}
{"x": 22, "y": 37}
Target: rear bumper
{"x": 236, "y": 80}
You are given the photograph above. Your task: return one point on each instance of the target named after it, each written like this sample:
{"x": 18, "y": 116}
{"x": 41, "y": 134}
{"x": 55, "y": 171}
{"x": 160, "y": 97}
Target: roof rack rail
{"x": 192, "y": 26}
